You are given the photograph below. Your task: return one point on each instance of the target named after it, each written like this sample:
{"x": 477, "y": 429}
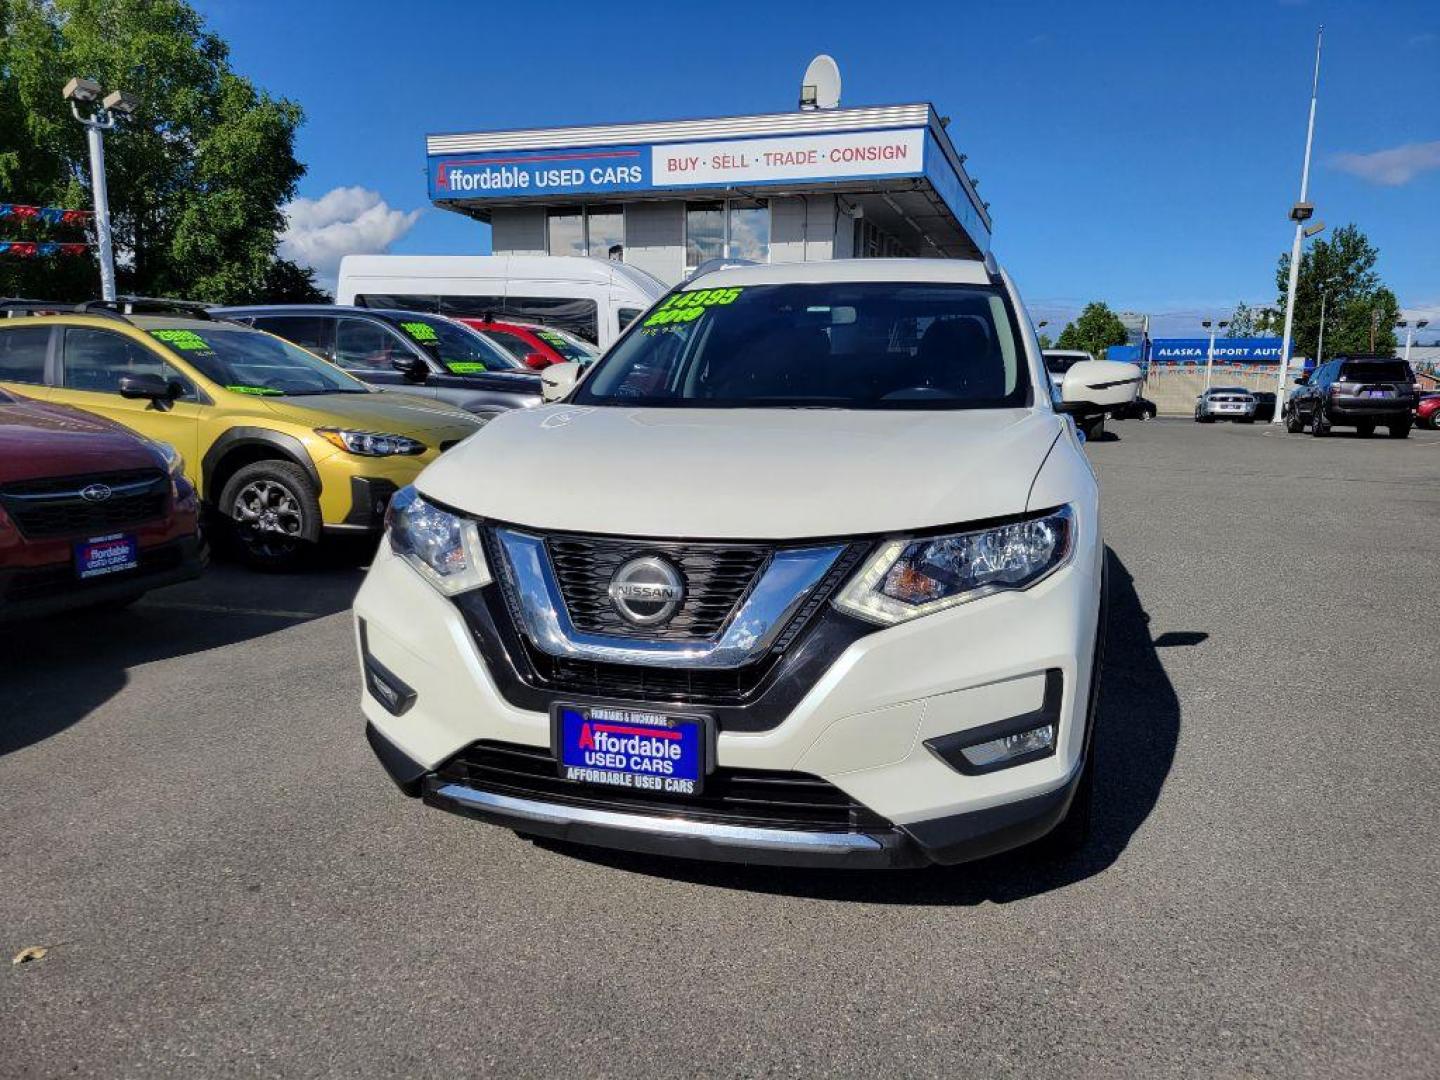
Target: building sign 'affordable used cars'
{"x": 603, "y": 169}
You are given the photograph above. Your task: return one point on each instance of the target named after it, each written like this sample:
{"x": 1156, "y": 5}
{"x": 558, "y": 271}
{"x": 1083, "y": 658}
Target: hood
{"x": 754, "y": 474}
{"x": 430, "y": 421}
{"x": 39, "y": 440}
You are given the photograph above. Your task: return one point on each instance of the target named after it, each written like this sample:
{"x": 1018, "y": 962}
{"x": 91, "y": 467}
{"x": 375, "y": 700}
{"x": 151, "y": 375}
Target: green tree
{"x": 1094, "y": 331}
{"x": 196, "y": 178}
{"x": 1249, "y": 322}
{"x": 1360, "y": 312}
{"x": 1046, "y": 342}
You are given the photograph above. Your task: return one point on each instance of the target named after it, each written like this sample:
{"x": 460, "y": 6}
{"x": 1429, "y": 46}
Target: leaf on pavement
{"x": 34, "y": 952}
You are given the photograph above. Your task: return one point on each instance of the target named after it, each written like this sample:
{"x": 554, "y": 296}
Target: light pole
{"x": 1210, "y": 355}
{"x": 1320, "y": 341}
{"x": 1420, "y": 324}
{"x": 100, "y": 119}
{"x": 1299, "y": 213}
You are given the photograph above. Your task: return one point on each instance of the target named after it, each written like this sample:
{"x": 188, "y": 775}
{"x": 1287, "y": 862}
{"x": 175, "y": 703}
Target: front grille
{"x": 53, "y": 506}
{"x": 755, "y": 797}
{"x": 717, "y": 577}
{"x": 59, "y": 580}
{"x": 660, "y": 685}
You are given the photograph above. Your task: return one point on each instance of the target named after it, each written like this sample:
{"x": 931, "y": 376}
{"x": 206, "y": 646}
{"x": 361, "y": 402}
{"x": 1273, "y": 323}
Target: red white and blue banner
{"x": 49, "y": 215}
{"x": 39, "y": 249}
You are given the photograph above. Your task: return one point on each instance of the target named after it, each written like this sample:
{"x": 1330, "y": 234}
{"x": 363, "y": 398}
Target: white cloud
{"x": 343, "y": 221}
{"x": 1393, "y": 167}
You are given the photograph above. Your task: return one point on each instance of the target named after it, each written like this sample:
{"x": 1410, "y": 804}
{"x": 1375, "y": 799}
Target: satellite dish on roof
{"x": 820, "y": 88}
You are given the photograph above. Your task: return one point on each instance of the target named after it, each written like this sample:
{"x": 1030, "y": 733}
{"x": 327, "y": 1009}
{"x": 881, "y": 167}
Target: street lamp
{"x": 99, "y": 118}
{"x": 1210, "y": 354}
{"x": 1420, "y": 324}
{"x": 1301, "y": 212}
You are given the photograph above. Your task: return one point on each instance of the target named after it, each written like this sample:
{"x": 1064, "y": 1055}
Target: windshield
{"x": 250, "y": 362}
{"x": 1059, "y": 365}
{"x": 571, "y": 348}
{"x": 1375, "y": 371}
{"x": 462, "y": 350}
{"x": 874, "y": 345}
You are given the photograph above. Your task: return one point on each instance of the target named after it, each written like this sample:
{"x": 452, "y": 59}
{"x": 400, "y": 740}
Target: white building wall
{"x": 518, "y": 230}
{"x": 655, "y": 238}
{"x": 802, "y": 228}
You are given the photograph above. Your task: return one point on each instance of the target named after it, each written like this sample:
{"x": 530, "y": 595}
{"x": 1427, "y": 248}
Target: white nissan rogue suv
{"x": 806, "y": 570}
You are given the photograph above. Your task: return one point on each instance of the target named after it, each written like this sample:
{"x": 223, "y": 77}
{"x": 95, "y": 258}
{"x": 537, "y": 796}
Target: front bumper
{"x": 27, "y": 593}
{"x": 862, "y": 725}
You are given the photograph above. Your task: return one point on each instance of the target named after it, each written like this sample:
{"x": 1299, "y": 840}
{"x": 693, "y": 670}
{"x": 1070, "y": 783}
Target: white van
{"x": 593, "y": 298}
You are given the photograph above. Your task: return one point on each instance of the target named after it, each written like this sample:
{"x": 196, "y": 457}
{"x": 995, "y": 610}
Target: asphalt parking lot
{"x": 191, "y": 823}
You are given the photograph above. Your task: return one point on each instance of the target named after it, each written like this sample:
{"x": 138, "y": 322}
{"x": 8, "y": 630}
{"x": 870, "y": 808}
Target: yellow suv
{"x": 286, "y": 447}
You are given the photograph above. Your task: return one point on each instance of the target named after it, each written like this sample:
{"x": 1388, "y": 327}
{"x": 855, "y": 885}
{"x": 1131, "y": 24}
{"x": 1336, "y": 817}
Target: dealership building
{"x": 666, "y": 196}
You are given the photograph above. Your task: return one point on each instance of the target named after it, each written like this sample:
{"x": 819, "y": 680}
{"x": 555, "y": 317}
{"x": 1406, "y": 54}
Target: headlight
{"x": 445, "y": 549}
{"x": 906, "y": 578}
{"x": 370, "y": 443}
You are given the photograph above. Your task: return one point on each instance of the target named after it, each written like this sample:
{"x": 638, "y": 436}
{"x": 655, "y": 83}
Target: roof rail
{"x": 146, "y": 305}
{"x": 15, "y": 306}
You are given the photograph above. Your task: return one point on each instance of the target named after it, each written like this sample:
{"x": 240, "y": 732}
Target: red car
{"x": 90, "y": 513}
{"x": 536, "y": 346}
{"x": 1427, "y": 412}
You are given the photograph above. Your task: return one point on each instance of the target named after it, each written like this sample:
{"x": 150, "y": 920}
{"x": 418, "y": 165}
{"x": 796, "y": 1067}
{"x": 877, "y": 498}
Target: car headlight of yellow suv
{"x": 371, "y": 443}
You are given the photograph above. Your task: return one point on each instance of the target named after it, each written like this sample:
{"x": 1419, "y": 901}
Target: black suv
{"x": 419, "y": 353}
{"x": 1362, "y": 392}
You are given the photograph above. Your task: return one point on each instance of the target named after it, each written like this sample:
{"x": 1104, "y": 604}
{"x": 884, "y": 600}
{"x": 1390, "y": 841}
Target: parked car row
{"x": 124, "y": 419}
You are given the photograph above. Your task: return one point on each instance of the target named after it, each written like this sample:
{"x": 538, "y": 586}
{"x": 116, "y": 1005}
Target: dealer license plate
{"x": 102, "y": 555}
{"x": 631, "y": 748}
{"x": 1378, "y": 393}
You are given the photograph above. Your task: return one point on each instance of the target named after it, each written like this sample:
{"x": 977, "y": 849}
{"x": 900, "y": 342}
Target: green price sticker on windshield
{"x": 550, "y": 336}
{"x": 422, "y": 332}
{"x": 688, "y": 306}
{"x": 258, "y": 391}
{"x": 185, "y": 340}
{"x": 465, "y": 367}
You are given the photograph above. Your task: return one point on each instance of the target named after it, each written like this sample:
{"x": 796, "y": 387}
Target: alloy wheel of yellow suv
{"x": 283, "y": 446}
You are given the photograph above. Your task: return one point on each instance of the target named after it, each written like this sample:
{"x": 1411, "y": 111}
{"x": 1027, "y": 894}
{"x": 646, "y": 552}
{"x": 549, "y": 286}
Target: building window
{"x": 749, "y": 235}
{"x": 733, "y": 229}
{"x": 605, "y": 233}
{"x": 565, "y": 231}
{"x": 579, "y": 230}
{"x": 704, "y": 232}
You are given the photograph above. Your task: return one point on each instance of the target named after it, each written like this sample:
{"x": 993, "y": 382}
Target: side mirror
{"x": 153, "y": 387}
{"x": 557, "y": 379}
{"x": 537, "y": 360}
{"x": 1302, "y": 380}
{"x": 1098, "y": 385}
{"x": 412, "y": 367}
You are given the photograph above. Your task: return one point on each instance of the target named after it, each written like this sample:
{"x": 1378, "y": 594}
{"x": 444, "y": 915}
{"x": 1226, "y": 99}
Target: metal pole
{"x": 1409, "y": 336}
{"x": 1285, "y": 341}
{"x": 95, "y": 133}
{"x": 1210, "y": 358}
{"x": 1320, "y": 343}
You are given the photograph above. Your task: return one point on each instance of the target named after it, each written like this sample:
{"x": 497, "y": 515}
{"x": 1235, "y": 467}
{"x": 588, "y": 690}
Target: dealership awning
{"x": 895, "y": 163}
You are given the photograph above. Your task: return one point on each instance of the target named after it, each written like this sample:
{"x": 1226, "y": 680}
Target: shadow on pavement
{"x": 56, "y": 670}
{"x": 1137, "y": 730}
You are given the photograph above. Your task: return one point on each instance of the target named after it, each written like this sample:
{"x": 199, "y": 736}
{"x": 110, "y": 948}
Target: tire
{"x": 1147, "y": 413}
{"x": 1319, "y": 426}
{"x": 1365, "y": 429}
{"x": 1435, "y": 420}
{"x": 272, "y": 511}
{"x": 1400, "y": 429}
{"x": 1293, "y": 424}
{"x": 1094, "y": 429}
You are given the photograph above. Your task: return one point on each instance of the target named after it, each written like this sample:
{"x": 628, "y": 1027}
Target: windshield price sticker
{"x": 550, "y": 336}
{"x": 420, "y": 331}
{"x": 259, "y": 391}
{"x": 630, "y": 748}
{"x": 465, "y": 367}
{"x": 688, "y": 306}
{"x": 184, "y": 340}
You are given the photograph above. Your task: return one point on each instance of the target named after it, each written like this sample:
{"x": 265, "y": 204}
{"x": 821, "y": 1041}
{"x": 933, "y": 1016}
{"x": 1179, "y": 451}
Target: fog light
{"x": 384, "y": 685}
{"x": 1037, "y": 741}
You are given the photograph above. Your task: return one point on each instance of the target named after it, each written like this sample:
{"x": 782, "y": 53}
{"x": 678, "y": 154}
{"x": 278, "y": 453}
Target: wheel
{"x": 1293, "y": 424}
{"x": 1365, "y": 428}
{"x": 1094, "y": 428}
{"x": 274, "y": 514}
{"x": 1319, "y": 424}
{"x": 1435, "y": 420}
{"x": 1400, "y": 429}
{"x": 1147, "y": 412}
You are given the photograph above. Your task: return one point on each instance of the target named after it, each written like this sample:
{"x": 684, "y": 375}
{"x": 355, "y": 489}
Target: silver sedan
{"x": 1225, "y": 403}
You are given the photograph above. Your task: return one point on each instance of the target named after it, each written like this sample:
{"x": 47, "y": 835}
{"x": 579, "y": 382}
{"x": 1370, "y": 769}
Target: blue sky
{"x": 1141, "y": 153}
